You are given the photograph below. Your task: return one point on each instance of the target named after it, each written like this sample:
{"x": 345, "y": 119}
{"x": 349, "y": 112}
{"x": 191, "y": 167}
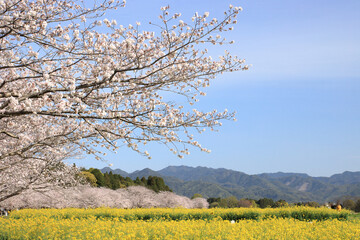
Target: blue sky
{"x": 298, "y": 107}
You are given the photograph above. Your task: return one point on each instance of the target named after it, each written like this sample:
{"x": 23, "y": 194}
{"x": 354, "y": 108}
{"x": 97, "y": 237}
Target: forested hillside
{"x": 292, "y": 187}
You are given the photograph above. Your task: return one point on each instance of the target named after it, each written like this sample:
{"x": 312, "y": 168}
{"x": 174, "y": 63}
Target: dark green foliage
{"x": 129, "y": 182}
{"x": 247, "y": 203}
{"x": 281, "y": 203}
{"x": 233, "y": 202}
{"x": 160, "y": 184}
{"x": 144, "y": 181}
{"x": 357, "y": 206}
{"x": 157, "y": 184}
{"x": 214, "y": 205}
{"x": 152, "y": 183}
{"x": 107, "y": 180}
{"x": 265, "y": 202}
{"x": 212, "y": 200}
{"x": 229, "y": 202}
{"x": 137, "y": 181}
{"x": 308, "y": 204}
{"x": 100, "y": 180}
{"x": 115, "y": 181}
{"x": 349, "y": 204}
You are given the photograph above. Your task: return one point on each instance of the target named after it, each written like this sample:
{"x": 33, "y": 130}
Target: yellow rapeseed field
{"x": 106, "y": 223}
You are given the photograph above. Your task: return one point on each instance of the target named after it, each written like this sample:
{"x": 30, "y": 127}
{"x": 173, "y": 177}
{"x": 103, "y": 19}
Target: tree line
{"x": 233, "y": 202}
{"x": 115, "y": 181}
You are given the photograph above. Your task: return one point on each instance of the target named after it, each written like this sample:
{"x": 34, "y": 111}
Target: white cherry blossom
{"x": 68, "y": 85}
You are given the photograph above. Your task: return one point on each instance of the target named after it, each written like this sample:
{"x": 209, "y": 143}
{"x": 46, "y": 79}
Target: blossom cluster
{"x": 72, "y": 81}
{"x": 92, "y": 197}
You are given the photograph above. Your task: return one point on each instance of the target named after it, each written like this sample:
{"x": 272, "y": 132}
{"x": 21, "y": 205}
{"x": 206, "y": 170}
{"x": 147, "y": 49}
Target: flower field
{"x": 106, "y": 223}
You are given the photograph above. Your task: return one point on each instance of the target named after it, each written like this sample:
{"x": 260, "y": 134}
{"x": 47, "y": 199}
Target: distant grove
{"x": 233, "y": 202}
{"x": 115, "y": 181}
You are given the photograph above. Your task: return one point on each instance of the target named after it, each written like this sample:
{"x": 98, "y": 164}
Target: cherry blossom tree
{"x": 90, "y": 197}
{"x": 72, "y": 81}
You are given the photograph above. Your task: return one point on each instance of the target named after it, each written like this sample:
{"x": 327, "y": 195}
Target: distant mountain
{"x": 116, "y": 171}
{"x": 144, "y": 173}
{"x": 292, "y": 187}
{"x": 282, "y": 174}
{"x": 342, "y": 178}
{"x": 233, "y": 183}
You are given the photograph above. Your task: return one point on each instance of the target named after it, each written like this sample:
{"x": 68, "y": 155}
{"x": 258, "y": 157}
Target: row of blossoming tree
{"x": 72, "y": 82}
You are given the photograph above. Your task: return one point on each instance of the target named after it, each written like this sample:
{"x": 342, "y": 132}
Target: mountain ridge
{"x": 221, "y": 182}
